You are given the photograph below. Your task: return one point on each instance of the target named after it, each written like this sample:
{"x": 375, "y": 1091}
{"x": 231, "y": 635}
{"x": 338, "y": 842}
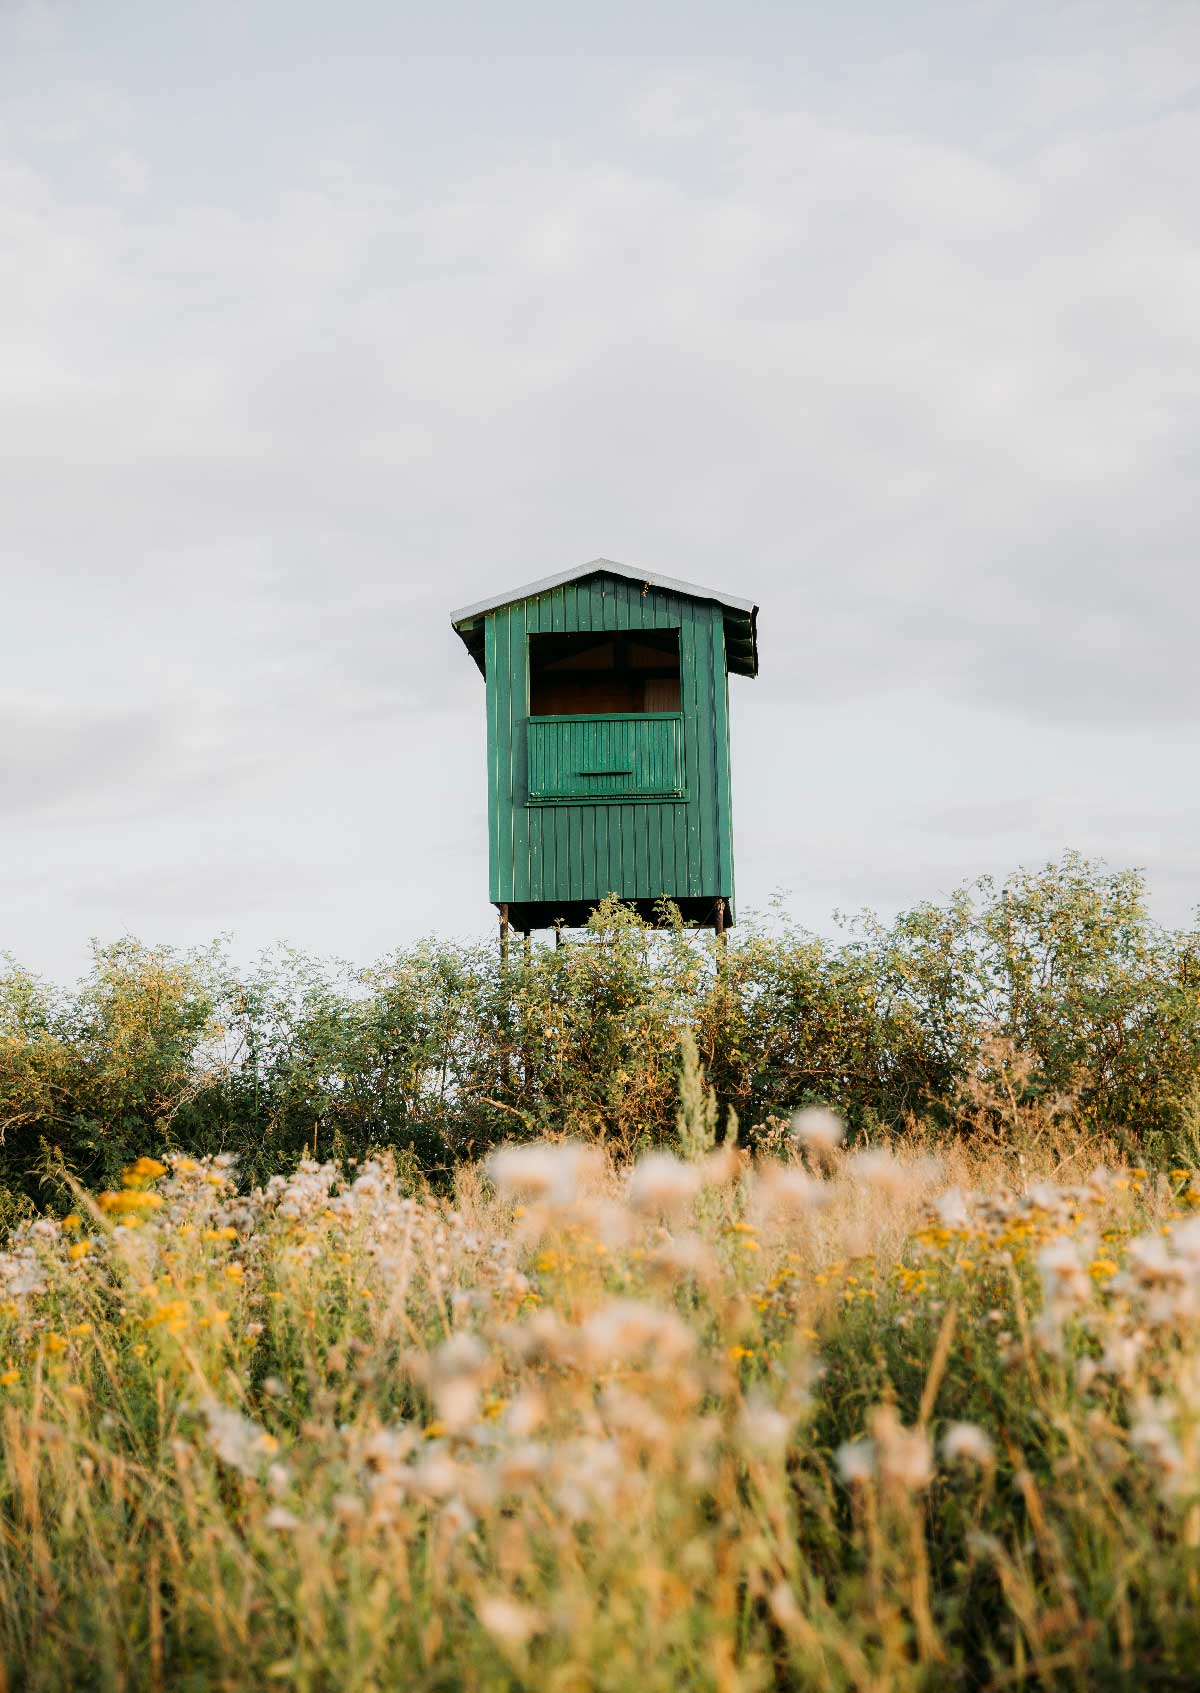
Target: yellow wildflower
{"x": 10, "y": 1378}
{"x": 130, "y": 1200}
{"x": 174, "y": 1314}
{"x": 143, "y": 1170}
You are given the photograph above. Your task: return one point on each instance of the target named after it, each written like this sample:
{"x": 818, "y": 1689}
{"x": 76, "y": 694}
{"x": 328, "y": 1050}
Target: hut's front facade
{"x": 608, "y": 742}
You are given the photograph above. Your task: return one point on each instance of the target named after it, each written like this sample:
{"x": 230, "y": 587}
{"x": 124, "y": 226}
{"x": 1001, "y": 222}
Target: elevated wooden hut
{"x": 608, "y": 742}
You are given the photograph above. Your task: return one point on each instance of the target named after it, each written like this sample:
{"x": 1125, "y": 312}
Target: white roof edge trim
{"x": 670, "y": 584}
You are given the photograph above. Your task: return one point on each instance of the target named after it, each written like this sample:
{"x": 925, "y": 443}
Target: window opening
{"x": 604, "y": 672}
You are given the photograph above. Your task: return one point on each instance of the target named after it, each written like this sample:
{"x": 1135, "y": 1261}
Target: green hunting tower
{"x": 608, "y": 742}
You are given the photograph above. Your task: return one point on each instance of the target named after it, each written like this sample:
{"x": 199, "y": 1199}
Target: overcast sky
{"x": 319, "y": 321}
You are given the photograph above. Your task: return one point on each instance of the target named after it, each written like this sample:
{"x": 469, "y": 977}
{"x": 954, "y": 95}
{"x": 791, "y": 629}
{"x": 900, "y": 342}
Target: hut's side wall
{"x": 639, "y": 850}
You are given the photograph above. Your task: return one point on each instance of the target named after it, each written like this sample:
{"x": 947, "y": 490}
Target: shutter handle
{"x": 605, "y": 772}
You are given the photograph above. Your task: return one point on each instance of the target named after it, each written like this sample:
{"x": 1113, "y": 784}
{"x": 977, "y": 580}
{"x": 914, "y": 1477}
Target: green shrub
{"x": 1055, "y": 984}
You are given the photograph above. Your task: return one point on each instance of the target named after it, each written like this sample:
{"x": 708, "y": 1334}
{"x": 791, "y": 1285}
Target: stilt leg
{"x": 505, "y": 1007}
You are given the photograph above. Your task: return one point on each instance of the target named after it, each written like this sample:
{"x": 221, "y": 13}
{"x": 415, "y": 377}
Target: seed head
{"x": 818, "y": 1130}
{"x": 663, "y": 1183}
{"x": 967, "y": 1443}
{"x": 508, "y": 1621}
{"x": 542, "y": 1171}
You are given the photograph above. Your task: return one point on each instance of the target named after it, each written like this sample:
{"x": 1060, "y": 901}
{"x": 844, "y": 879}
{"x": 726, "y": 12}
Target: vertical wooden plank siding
{"x": 732, "y": 896}
{"x": 708, "y": 759}
{"x": 689, "y": 684}
{"x": 640, "y": 849}
{"x": 638, "y": 813}
{"x": 541, "y": 837}
{"x": 724, "y": 789}
{"x": 503, "y": 823}
{"x": 496, "y": 788}
{"x": 518, "y": 646}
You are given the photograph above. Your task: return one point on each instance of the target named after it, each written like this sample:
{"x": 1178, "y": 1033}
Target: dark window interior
{"x": 593, "y": 674}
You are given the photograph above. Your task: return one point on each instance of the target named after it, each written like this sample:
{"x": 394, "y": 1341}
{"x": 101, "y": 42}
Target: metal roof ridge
{"x": 596, "y": 566}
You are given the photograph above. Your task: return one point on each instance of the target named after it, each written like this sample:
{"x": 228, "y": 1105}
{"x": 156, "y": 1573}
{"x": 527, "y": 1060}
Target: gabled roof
{"x": 741, "y": 616}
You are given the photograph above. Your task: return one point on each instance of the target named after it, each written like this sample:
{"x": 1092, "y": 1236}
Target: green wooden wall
{"x": 639, "y": 849}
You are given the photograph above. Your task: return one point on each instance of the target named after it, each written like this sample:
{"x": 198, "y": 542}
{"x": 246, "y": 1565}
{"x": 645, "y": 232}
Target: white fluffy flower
{"x": 904, "y": 1456}
{"x": 882, "y": 1170}
{"x": 856, "y": 1462}
{"x": 1064, "y": 1275}
{"x": 763, "y": 1428}
{"x": 952, "y": 1210}
{"x": 508, "y": 1621}
{"x": 818, "y": 1129}
{"x": 782, "y": 1190}
{"x": 236, "y": 1440}
{"x": 662, "y": 1182}
{"x": 542, "y": 1171}
{"x": 626, "y": 1331}
{"x": 967, "y": 1443}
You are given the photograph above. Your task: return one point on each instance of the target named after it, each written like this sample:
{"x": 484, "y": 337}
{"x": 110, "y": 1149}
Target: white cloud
{"x": 927, "y": 387}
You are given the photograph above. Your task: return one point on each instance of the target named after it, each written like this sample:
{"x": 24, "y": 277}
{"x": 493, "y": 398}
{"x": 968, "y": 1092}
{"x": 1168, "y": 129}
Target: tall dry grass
{"x": 899, "y": 1417}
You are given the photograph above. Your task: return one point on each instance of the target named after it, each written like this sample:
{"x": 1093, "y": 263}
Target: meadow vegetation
{"x": 430, "y": 1330}
{"x": 433, "y": 1054}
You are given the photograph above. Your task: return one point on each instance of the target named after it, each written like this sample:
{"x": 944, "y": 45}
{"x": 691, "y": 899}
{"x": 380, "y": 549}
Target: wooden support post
{"x": 526, "y": 1058}
{"x": 719, "y": 924}
{"x": 558, "y": 929}
{"x": 505, "y": 1007}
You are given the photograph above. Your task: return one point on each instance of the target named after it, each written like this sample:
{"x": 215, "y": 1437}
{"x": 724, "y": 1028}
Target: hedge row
{"x": 1056, "y": 984}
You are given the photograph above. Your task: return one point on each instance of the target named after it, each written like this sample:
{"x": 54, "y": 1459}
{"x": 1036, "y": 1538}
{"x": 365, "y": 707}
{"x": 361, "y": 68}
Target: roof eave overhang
{"x": 741, "y": 616}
